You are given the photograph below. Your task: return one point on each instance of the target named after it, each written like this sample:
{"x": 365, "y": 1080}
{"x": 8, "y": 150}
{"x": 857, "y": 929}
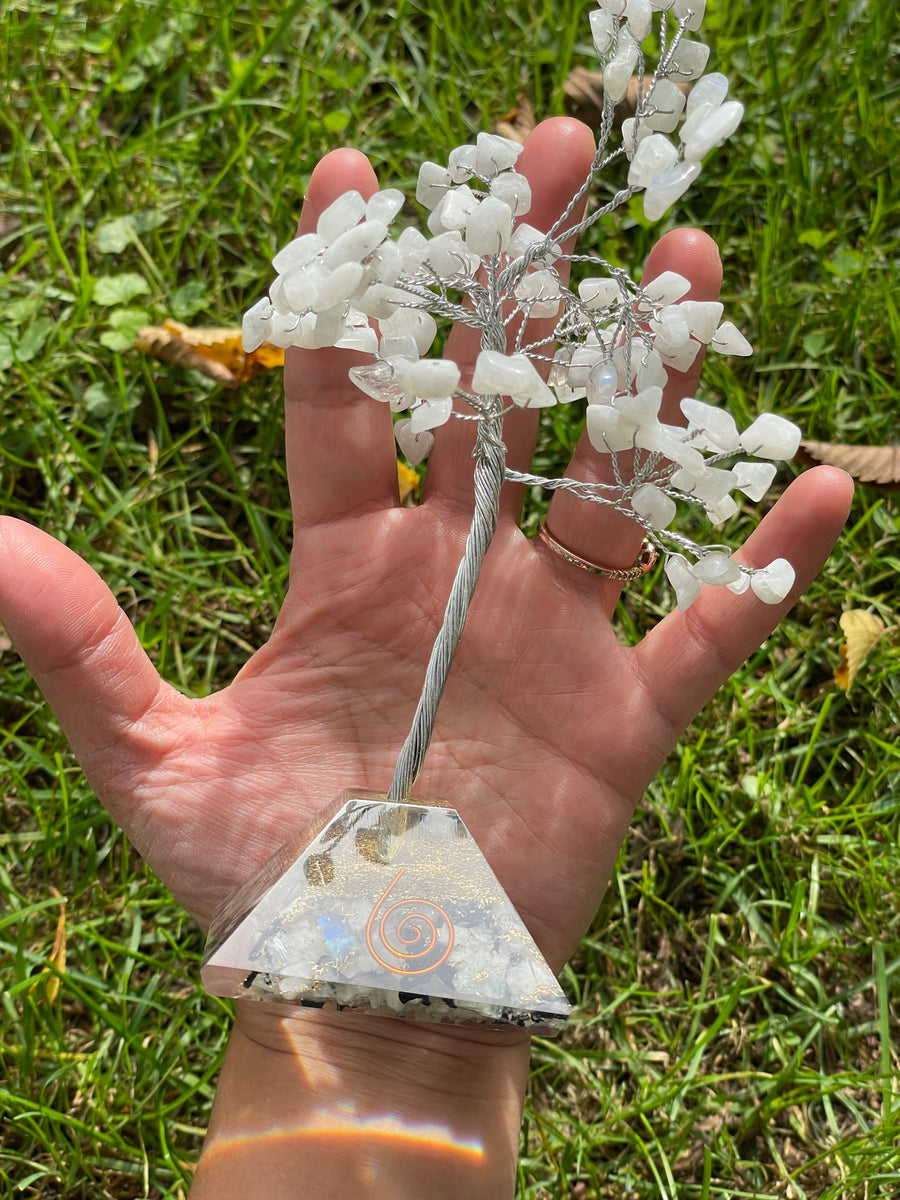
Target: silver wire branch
{"x": 489, "y": 474}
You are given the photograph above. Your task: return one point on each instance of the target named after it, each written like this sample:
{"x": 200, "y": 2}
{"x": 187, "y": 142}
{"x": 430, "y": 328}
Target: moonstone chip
{"x": 671, "y": 328}
{"x": 415, "y": 446}
{"x": 716, "y": 129}
{"x": 718, "y": 425}
{"x": 602, "y": 384}
{"x": 666, "y": 288}
{"x": 541, "y": 290}
{"x": 651, "y": 372}
{"x": 347, "y": 211}
{"x": 511, "y": 375}
{"x": 523, "y": 238}
{"x": 703, "y": 317}
{"x": 495, "y": 154}
{"x": 559, "y": 368}
{"x": 668, "y": 187}
{"x": 681, "y": 359}
{"x": 771, "y": 436}
{"x": 697, "y": 9}
{"x": 489, "y": 228}
{"x": 337, "y": 286}
{"x": 607, "y": 430}
{"x": 384, "y": 205}
{"x": 583, "y": 361}
{"x": 381, "y": 381}
{"x": 639, "y": 15}
{"x": 652, "y": 504}
{"x": 255, "y": 325}
{"x": 330, "y": 325}
{"x": 298, "y": 253}
{"x": 413, "y": 245}
{"x": 456, "y": 208}
{"x": 772, "y": 583}
{"x": 714, "y": 484}
{"x": 740, "y": 585}
{"x": 633, "y": 133}
{"x": 361, "y": 338}
{"x": 754, "y": 479}
{"x": 432, "y": 378}
{"x": 711, "y": 89}
{"x": 513, "y": 189}
{"x": 432, "y": 185}
{"x": 683, "y": 580}
{"x": 716, "y": 568}
{"x": 667, "y": 102}
{"x": 641, "y": 409}
{"x": 420, "y": 325}
{"x": 720, "y": 511}
{"x": 689, "y": 61}
{"x": 462, "y": 163}
{"x": 447, "y": 255}
{"x": 730, "y": 340}
{"x": 654, "y": 155}
{"x": 430, "y": 414}
{"x": 599, "y": 292}
{"x": 618, "y": 72}
{"x": 379, "y": 301}
{"x": 388, "y": 263}
{"x": 603, "y": 28}
{"x": 355, "y": 244}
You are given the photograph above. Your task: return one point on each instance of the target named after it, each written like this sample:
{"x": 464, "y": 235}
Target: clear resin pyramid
{"x": 387, "y": 908}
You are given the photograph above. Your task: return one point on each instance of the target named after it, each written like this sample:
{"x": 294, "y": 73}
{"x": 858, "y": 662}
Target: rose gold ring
{"x": 645, "y": 559}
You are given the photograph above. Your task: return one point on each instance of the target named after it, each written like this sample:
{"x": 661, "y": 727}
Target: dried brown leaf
{"x": 868, "y": 464}
{"x": 517, "y": 125}
{"x": 584, "y": 92}
{"x": 217, "y": 353}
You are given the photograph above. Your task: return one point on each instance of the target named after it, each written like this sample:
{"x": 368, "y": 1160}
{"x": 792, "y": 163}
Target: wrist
{"x": 402, "y": 1107}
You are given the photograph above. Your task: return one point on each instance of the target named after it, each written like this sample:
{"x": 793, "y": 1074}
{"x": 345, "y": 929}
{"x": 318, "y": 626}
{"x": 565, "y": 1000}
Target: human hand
{"x": 549, "y": 729}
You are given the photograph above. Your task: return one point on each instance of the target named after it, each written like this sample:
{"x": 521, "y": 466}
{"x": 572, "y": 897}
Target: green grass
{"x": 738, "y": 1022}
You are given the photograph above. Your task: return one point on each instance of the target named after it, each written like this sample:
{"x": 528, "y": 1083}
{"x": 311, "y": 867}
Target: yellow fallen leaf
{"x": 49, "y": 976}
{"x": 218, "y": 353}
{"x": 862, "y": 630}
{"x": 408, "y": 480}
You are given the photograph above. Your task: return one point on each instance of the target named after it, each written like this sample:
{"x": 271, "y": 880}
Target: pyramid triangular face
{"x": 390, "y": 908}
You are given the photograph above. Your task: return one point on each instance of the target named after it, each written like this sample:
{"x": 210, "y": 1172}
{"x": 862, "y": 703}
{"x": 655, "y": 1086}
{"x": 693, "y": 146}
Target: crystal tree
{"x": 352, "y": 285}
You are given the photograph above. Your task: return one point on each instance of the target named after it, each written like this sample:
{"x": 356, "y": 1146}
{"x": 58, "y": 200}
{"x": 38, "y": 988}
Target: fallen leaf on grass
{"x": 584, "y": 92}
{"x": 518, "y": 123}
{"x": 862, "y": 630}
{"x": 49, "y": 977}
{"x": 868, "y": 464}
{"x": 217, "y": 353}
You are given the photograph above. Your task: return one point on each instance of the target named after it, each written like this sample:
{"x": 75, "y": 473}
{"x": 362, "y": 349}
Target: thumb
{"x": 74, "y": 638}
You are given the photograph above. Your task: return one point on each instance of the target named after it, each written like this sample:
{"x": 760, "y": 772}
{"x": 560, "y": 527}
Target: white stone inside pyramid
{"x": 389, "y": 908}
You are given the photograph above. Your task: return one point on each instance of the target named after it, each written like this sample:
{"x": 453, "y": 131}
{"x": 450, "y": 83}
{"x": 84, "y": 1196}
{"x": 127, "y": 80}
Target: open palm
{"x": 549, "y": 729}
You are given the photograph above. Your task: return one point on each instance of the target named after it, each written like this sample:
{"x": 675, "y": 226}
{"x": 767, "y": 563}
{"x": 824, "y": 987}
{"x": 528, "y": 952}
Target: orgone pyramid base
{"x": 388, "y": 908}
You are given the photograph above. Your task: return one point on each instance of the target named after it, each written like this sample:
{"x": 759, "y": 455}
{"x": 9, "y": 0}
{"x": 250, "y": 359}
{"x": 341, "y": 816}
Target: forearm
{"x": 338, "y": 1105}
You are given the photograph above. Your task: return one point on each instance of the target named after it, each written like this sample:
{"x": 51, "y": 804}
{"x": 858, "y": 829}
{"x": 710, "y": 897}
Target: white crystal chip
{"x": 771, "y": 584}
{"x": 684, "y": 582}
{"x": 668, "y": 187}
{"x": 415, "y": 446}
{"x": 489, "y": 227}
{"x": 771, "y": 436}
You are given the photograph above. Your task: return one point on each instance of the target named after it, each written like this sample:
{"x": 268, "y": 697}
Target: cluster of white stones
{"x": 353, "y": 285}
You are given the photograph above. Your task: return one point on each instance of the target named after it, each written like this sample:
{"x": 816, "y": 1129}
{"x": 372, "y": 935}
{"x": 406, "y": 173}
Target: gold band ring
{"x": 645, "y": 559}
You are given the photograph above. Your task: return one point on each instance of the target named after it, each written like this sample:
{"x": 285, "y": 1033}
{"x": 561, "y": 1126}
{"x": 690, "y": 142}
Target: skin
{"x": 548, "y": 733}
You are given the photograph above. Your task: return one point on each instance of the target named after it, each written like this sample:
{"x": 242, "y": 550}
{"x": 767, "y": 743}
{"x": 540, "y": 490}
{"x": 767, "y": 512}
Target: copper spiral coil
{"x": 417, "y": 933}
